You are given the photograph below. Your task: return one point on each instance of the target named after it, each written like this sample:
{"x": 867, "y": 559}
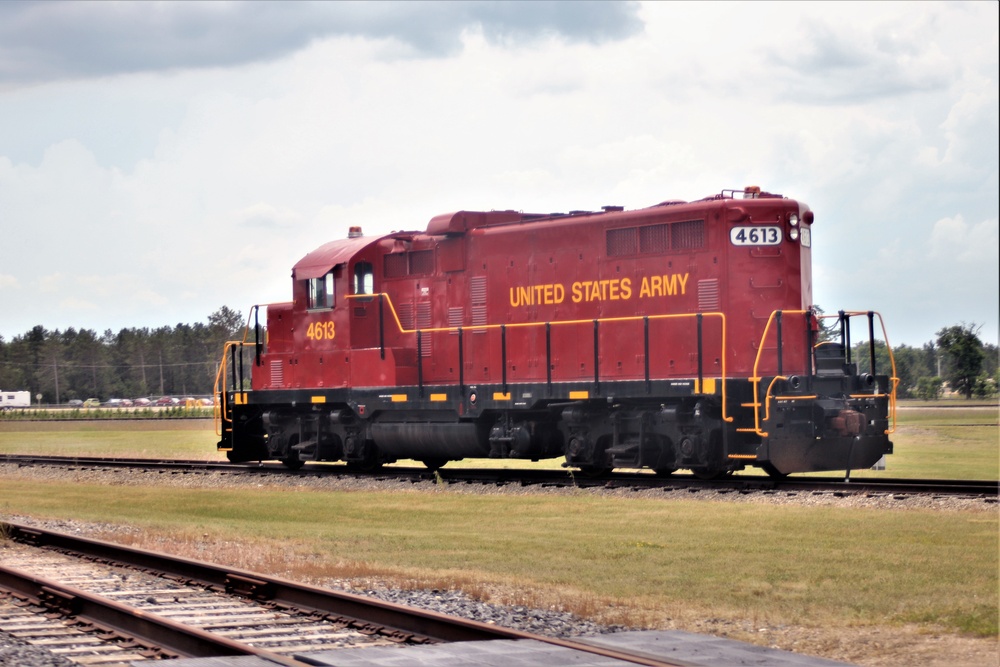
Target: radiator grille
{"x": 622, "y": 242}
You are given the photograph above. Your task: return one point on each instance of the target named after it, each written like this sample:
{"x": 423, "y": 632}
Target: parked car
{"x": 142, "y": 402}
{"x": 92, "y": 403}
{"x": 75, "y": 403}
{"x": 167, "y": 401}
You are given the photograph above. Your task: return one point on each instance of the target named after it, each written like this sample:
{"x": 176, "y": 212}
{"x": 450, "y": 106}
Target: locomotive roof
{"x": 329, "y": 255}
{"x": 320, "y": 261}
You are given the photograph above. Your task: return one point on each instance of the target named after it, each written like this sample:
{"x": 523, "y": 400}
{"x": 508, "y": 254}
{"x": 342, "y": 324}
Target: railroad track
{"x": 989, "y": 489}
{"x": 95, "y": 602}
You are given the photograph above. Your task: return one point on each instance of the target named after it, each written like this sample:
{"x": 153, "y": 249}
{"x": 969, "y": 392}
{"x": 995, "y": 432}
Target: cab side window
{"x": 321, "y": 294}
{"x": 364, "y": 278}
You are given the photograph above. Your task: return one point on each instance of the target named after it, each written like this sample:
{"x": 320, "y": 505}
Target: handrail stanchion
{"x": 548, "y": 357}
{"x": 461, "y": 365}
{"x": 503, "y": 355}
{"x": 420, "y": 364}
{"x": 597, "y": 358}
{"x": 871, "y": 340}
{"x": 645, "y": 352}
{"x": 701, "y": 372}
{"x": 780, "y": 344}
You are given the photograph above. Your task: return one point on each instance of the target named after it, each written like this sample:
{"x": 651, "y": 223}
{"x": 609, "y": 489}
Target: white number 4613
{"x": 770, "y": 235}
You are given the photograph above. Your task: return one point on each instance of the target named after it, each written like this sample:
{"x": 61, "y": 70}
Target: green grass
{"x": 652, "y": 559}
{"x": 177, "y": 439}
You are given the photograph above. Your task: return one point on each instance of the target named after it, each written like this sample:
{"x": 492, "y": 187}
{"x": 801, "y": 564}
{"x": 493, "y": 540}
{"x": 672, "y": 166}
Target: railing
{"x": 596, "y": 323}
{"x": 845, "y": 342}
{"x": 230, "y": 349}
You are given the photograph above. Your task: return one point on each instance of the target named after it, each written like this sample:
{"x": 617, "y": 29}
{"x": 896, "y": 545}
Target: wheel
{"x": 364, "y": 466}
{"x": 594, "y": 471}
{"x": 434, "y": 464}
{"x": 773, "y": 472}
{"x": 293, "y": 462}
{"x": 709, "y": 473}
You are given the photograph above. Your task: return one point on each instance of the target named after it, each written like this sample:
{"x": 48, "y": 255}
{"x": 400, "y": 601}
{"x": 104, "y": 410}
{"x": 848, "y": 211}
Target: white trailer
{"x": 14, "y": 399}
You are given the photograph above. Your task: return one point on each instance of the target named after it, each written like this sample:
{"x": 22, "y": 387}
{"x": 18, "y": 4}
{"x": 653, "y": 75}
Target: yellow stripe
{"x": 579, "y": 394}
{"x": 742, "y": 456}
{"x": 497, "y": 396}
{"x": 399, "y": 398}
{"x": 707, "y": 386}
{"x": 318, "y": 399}
{"x": 439, "y": 397}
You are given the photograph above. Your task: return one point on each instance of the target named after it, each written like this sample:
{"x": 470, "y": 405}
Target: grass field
{"x": 636, "y": 561}
{"x": 633, "y": 561}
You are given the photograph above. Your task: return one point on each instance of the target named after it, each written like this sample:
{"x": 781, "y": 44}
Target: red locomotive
{"x": 676, "y": 336}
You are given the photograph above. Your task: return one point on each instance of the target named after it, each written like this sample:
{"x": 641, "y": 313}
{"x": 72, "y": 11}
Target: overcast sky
{"x": 160, "y": 160}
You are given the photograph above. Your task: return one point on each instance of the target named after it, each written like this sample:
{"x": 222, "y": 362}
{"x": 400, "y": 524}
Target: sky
{"x": 161, "y": 160}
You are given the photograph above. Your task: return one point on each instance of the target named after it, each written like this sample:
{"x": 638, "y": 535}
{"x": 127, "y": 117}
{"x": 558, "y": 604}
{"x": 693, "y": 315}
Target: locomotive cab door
{"x": 364, "y": 310}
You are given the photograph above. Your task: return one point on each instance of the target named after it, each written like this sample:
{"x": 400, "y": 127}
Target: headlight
{"x": 793, "y": 220}
{"x": 793, "y": 233}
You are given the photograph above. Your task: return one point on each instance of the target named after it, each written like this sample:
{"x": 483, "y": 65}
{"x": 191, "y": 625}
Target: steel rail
{"x": 142, "y": 626}
{"x": 362, "y": 612}
{"x": 528, "y": 477}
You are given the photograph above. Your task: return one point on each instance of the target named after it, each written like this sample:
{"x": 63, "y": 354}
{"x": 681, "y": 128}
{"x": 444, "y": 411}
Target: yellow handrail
{"x": 516, "y": 325}
{"x": 219, "y": 413}
{"x": 755, "y": 379}
{"x": 892, "y": 361}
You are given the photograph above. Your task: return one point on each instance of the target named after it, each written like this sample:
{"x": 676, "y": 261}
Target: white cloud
{"x": 198, "y": 188}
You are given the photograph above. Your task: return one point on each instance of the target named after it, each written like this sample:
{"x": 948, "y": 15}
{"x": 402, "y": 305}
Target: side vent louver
{"x": 708, "y": 295}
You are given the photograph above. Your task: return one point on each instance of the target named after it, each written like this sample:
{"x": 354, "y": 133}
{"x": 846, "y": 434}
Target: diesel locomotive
{"x": 678, "y": 336}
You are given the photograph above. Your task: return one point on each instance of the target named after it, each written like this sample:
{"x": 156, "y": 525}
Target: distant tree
{"x": 909, "y": 368}
{"x": 985, "y": 386}
{"x": 929, "y": 388}
{"x": 964, "y": 353}
{"x": 226, "y": 321}
{"x": 991, "y": 359}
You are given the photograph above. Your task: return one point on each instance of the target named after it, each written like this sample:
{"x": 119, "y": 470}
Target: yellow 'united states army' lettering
{"x": 602, "y": 290}
{"x": 536, "y": 295}
{"x": 616, "y": 289}
{"x": 671, "y": 285}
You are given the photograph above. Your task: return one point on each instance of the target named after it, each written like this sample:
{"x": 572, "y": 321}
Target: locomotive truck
{"x": 678, "y": 336}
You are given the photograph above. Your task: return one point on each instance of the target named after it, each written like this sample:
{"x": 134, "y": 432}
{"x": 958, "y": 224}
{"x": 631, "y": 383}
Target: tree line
{"x": 958, "y": 359}
{"x": 182, "y": 361}
{"x": 77, "y": 364}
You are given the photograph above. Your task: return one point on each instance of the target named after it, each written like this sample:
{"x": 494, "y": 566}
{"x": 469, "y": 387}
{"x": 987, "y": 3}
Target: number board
{"x": 770, "y": 235}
